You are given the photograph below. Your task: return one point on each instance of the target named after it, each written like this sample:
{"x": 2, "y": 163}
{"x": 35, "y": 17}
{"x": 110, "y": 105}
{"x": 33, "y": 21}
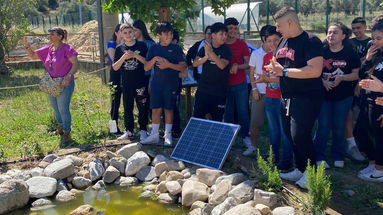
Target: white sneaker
{"x": 143, "y": 135}
{"x": 294, "y": 175}
{"x": 126, "y": 136}
{"x": 151, "y": 139}
{"x": 368, "y": 170}
{"x": 247, "y": 141}
{"x": 326, "y": 166}
{"x": 339, "y": 164}
{"x": 355, "y": 154}
{"x": 168, "y": 139}
{"x": 250, "y": 150}
{"x": 373, "y": 176}
{"x": 302, "y": 181}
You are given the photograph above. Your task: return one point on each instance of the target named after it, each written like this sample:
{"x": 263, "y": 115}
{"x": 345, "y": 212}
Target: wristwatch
{"x": 285, "y": 72}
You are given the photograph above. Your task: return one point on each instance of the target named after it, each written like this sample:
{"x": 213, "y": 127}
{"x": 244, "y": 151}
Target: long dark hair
{"x": 378, "y": 57}
{"x": 141, "y": 25}
{"x": 116, "y": 29}
{"x": 345, "y": 30}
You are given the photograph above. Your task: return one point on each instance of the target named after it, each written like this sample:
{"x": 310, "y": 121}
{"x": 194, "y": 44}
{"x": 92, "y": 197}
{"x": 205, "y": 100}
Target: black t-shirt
{"x": 214, "y": 80}
{"x": 360, "y": 46}
{"x": 339, "y": 63}
{"x": 294, "y": 53}
{"x": 132, "y": 70}
{"x": 374, "y": 67}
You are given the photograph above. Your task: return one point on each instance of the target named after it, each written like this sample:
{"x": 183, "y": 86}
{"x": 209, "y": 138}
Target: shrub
{"x": 267, "y": 173}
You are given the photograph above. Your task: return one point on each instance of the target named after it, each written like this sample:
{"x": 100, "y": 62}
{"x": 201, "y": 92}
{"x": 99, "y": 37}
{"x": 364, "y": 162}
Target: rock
{"x": 146, "y": 174}
{"x": 161, "y": 187}
{"x": 167, "y": 198}
{"x": 83, "y": 210}
{"x": 37, "y": 171}
{"x": 243, "y": 210}
{"x": 111, "y": 173}
{"x": 75, "y": 191}
{"x": 193, "y": 191}
{"x": 174, "y": 175}
{"x": 163, "y": 176}
{"x": 197, "y": 204}
{"x": 187, "y": 175}
{"x": 14, "y": 194}
{"x": 173, "y": 187}
{"x": 269, "y": 199}
{"x": 4, "y": 178}
{"x": 150, "y": 187}
{"x": 234, "y": 178}
{"x": 81, "y": 183}
{"x": 243, "y": 192}
{"x": 41, "y": 202}
{"x": 84, "y": 173}
{"x": 158, "y": 159}
{"x": 250, "y": 203}
{"x": 207, "y": 209}
{"x": 224, "y": 206}
{"x": 50, "y": 158}
{"x": 43, "y": 164}
{"x": 119, "y": 163}
{"x": 96, "y": 170}
{"x": 284, "y": 211}
{"x": 146, "y": 194}
{"x": 169, "y": 165}
{"x": 61, "y": 185}
{"x": 137, "y": 161}
{"x": 70, "y": 178}
{"x": 110, "y": 154}
{"x": 128, "y": 181}
{"x": 263, "y": 209}
{"x": 128, "y": 150}
{"x": 65, "y": 196}
{"x": 220, "y": 193}
{"x": 196, "y": 211}
{"x": 76, "y": 160}
{"x": 208, "y": 176}
{"x": 19, "y": 174}
{"x": 41, "y": 186}
{"x": 99, "y": 185}
{"x": 60, "y": 169}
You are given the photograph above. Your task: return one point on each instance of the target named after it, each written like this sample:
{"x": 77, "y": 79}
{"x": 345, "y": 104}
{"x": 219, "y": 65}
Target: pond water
{"x": 114, "y": 201}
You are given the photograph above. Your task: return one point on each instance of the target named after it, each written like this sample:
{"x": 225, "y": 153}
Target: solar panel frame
{"x": 178, "y": 156}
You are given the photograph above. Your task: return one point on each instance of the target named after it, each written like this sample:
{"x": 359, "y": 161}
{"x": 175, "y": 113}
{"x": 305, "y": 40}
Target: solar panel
{"x": 205, "y": 143}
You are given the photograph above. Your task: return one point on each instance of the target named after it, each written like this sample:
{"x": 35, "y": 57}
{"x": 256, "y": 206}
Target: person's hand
{"x": 256, "y": 95}
{"x": 261, "y": 78}
{"x": 274, "y": 68}
{"x": 128, "y": 54}
{"x": 373, "y": 84}
{"x": 371, "y": 52}
{"x": 336, "y": 82}
{"x": 163, "y": 63}
{"x": 67, "y": 79}
{"x": 328, "y": 85}
{"x": 234, "y": 69}
{"x": 380, "y": 118}
{"x": 208, "y": 49}
{"x": 379, "y": 101}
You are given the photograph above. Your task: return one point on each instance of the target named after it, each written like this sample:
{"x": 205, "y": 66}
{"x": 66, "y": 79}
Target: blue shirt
{"x": 110, "y": 44}
{"x": 165, "y": 78}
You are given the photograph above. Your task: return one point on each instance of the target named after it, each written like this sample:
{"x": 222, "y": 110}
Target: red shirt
{"x": 239, "y": 50}
{"x": 272, "y": 89}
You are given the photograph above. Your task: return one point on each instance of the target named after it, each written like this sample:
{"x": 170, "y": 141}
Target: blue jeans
{"x": 60, "y": 106}
{"x": 332, "y": 118}
{"x": 274, "y": 120}
{"x": 238, "y": 96}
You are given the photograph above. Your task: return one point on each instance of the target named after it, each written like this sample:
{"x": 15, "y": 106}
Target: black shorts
{"x": 163, "y": 98}
{"x": 205, "y": 103}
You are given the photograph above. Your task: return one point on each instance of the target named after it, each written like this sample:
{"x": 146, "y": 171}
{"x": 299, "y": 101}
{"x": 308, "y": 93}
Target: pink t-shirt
{"x": 57, "y": 62}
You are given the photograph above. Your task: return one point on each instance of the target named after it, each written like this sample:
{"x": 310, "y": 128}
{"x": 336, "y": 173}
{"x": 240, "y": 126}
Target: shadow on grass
{"x": 17, "y": 80}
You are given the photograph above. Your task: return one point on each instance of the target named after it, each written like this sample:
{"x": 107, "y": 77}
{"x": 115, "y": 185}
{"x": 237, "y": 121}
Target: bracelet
{"x": 285, "y": 72}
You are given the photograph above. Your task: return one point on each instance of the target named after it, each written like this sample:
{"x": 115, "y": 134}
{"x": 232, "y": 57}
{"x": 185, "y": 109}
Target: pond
{"x": 114, "y": 201}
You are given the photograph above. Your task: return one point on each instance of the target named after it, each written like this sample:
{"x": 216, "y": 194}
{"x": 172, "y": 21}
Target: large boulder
{"x": 146, "y": 174}
{"x": 129, "y": 150}
{"x": 37, "y": 171}
{"x": 41, "y": 202}
{"x": 77, "y": 161}
{"x": 243, "y": 210}
{"x": 127, "y": 181}
{"x": 119, "y": 163}
{"x": 111, "y": 173}
{"x": 234, "y": 178}
{"x": 284, "y": 211}
{"x": 244, "y": 191}
{"x": 40, "y": 186}
{"x": 14, "y": 194}
{"x": 158, "y": 159}
{"x": 65, "y": 196}
{"x": 60, "y": 169}
{"x": 50, "y": 158}
{"x": 269, "y": 199}
{"x": 81, "y": 183}
{"x": 220, "y": 193}
{"x": 265, "y": 210}
{"x": 174, "y": 175}
{"x": 208, "y": 176}
{"x": 168, "y": 165}
{"x": 19, "y": 174}
{"x": 136, "y": 162}
{"x": 96, "y": 170}
{"x": 193, "y": 191}
{"x": 167, "y": 198}
{"x": 173, "y": 187}
{"x": 4, "y": 178}
{"x": 224, "y": 206}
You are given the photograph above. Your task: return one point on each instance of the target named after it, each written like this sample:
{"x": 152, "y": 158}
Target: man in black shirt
{"x": 298, "y": 62}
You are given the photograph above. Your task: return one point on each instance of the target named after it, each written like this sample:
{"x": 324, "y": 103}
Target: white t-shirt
{"x": 256, "y": 60}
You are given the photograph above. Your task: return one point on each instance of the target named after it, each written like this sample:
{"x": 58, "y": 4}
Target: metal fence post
{"x": 363, "y": 8}
{"x": 296, "y": 6}
{"x": 43, "y": 23}
{"x": 327, "y": 13}
{"x": 267, "y": 12}
{"x": 101, "y": 39}
{"x": 203, "y": 15}
{"x": 248, "y": 16}
{"x": 57, "y": 21}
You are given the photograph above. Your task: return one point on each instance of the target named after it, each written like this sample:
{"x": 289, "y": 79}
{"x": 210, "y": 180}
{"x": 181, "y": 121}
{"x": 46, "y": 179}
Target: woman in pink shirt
{"x": 60, "y": 61}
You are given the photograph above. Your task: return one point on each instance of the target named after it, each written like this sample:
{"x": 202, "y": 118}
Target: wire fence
{"x": 70, "y": 20}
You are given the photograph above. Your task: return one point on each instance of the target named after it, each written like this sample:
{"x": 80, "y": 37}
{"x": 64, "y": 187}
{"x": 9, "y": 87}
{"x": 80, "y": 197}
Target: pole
{"x": 203, "y": 15}
{"x": 296, "y": 6}
{"x": 80, "y": 12}
{"x": 364, "y": 8}
{"x": 327, "y": 13}
{"x": 267, "y": 12}
{"x": 248, "y": 16}
{"x": 101, "y": 39}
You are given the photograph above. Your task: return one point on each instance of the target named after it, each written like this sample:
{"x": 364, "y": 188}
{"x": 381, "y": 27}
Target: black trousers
{"x": 363, "y": 133}
{"x": 205, "y": 103}
{"x": 115, "y": 80}
{"x": 140, "y": 96}
{"x": 298, "y": 118}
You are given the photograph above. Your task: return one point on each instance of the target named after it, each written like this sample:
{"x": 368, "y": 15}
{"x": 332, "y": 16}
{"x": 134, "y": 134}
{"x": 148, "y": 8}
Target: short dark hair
{"x": 376, "y": 20}
{"x": 283, "y": 11}
{"x": 217, "y": 27}
{"x": 116, "y": 30}
{"x": 231, "y": 21}
{"x": 360, "y": 20}
{"x": 378, "y": 27}
{"x": 176, "y": 36}
{"x": 207, "y": 28}
{"x": 268, "y": 30}
{"x": 164, "y": 27}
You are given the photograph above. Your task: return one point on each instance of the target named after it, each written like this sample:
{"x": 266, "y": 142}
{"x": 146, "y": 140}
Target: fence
{"x": 70, "y": 19}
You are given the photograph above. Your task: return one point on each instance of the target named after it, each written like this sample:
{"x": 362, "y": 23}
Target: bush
{"x": 319, "y": 189}
{"x": 267, "y": 173}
